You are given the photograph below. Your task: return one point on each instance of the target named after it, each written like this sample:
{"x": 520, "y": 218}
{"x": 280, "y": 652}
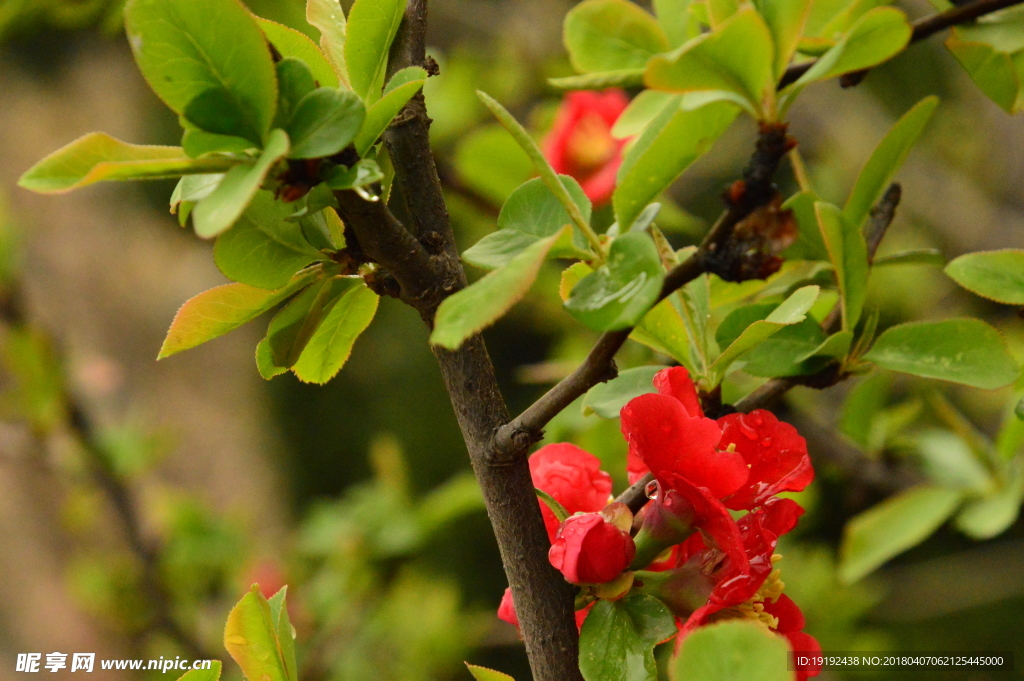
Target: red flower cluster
{"x": 581, "y": 145}
{"x": 699, "y": 560}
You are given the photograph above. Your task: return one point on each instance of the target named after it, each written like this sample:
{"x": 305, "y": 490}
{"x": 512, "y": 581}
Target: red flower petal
{"x": 775, "y": 452}
{"x": 675, "y": 382}
{"x": 788, "y": 613}
{"x": 573, "y": 477}
{"x": 670, "y": 441}
{"x": 590, "y": 550}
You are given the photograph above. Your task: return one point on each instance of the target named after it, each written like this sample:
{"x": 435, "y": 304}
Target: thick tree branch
{"x": 922, "y": 28}
{"x": 713, "y": 255}
{"x": 882, "y": 216}
{"x": 424, "y": 260}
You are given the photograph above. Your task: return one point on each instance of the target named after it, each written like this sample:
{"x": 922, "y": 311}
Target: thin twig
{"x": 922, "y": 28}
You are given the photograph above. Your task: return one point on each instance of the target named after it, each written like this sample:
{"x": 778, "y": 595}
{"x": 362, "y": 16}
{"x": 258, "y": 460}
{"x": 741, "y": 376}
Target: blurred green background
{"x": 357, "y": 494}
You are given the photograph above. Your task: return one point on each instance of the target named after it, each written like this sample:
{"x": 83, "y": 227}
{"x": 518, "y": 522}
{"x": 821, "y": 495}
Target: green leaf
{"x": 671, "y": 142}
{"x": 991, "y": 51}
{"x": 792, "y": 311}
{"x": 364, "y": 172}
{"x": 198, "y": 142}
{"x": 600, "y": 80}
{"x": 967, "y": 351}
{"x": 97, "y": 157}
{"x": 618, "y": 638}
{"x": 663, "y": 330}
{"x": 381, "y": 112}
{"x": 611, "y": 35}
{"x": 677, "y": 20}
{"x": 736, "y": 57}
{"x": 479, "y": 305}
{"x": 263, "y": 249}
{"x": 917, "y": 256}
{"x": 786, "y": 352}
{"x": 849, "y": 255}
{"x": 620, "y": 292}
{"x": 993, "y": 514}
{"x": 193, "y": 188}
{"x": 643, "y": 109}
{"x": 211, "y": 674}
{"x": 215, "y": 312}
{"x": 836, "y": 346}
{"x": 737, "y": 650}
{"x": 893, "y": 526}
{"x": 293, "y": 326}
{"x": 265, "y": 361}
{"x": 485, "y": 674}
{"x": 996, "y": 275}
{"x": 949, "y": 462}
{"x": 328, "y": 17}
{"x": 531, "y": 213}
{"x": 785, "y": 19}
{"x": 185, "y": 48}
{"x": 560, "y": 513}
{"x": 331, "y": 345}
{"x": 251, "y": 638}
{"x": 325, "y": 122}
{"x": 218, "y": 211}
{"x": 886, "y": 159}
{"x": 607, "y": 399}
{"x": 294, "y": 81}
{"x": 285, "y": 631}
{"x": 544, "y": 169}
{"x": 290, "y": 43}
{"x": 879, "y": 35}
{"x": 863, "y": 404}
{"x": 373, "y": 24}
{"x": 217, "y": 111}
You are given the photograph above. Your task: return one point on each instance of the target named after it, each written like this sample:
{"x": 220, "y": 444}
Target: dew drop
{"x": 651, "y": 490}
{"x": 756, "y": 419}
{"x": 766, "y": 442}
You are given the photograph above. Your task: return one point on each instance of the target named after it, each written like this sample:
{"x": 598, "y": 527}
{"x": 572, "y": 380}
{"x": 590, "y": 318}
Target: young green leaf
{"x": 663, "y": 330}
{"x": 947, "y": 459}
{"x": 381, "y": 112}
{"x": 990, "y": 50}
{"x": 98, "y": 156}
{"x": 544, "y": 169}
{"x": 737, "y": 650}
{"x": 531, "y": 213}
{"x": 607, "y": 399}
{"x": 893, "y": 526}
{"x": 734, "y": 58}
{"x": 285, "y": 632}
{"x": 879, "y": 35}
{"x": 611, "y": 35}
{"x": 996, "y": 275}
{"x": 364, "y": 172}
{"x": 789, "y": 352}
{"x": 331, "y": 345}
{"x": 485, "y": 674}
{"x": 885, "y": 160}
{"x": 294, "y": 81}
{"x": 993, "y": 514}
{"x": 849, "y": 255}
{"x": 211, "y": 674}
{"x": 785, "y": 19}
{"x": 185, "y": 48}
{"x": 325, "y": 122}
{"x": 967, "y": 351}
{"x": 218, "y": 211}
{"x": 198, "y": 142}
{"x": 262, "y": 249}
{"x": 479, "y": 305}
{"x": 290, "y": 43}
{"x": 677, "y": 20}
{"x": 328, "y": 18}
{"x": 618, "y": 638}
{"x": 917, "y": 256}
{"x": 213, "y": 313}
{"x": 217, "y": 111}
{"x": 600, "y": 80}
{"x": 293, "y": 326}
{"x": 671, "y": 142}
{"x": 644, "y": 108}
{"x": 251, "y": 638}
{"x": 373, "y": 24}
{"x": 620, "y": 292}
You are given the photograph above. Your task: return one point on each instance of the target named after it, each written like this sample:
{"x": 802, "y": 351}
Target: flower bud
{"x": 593, "y": 548}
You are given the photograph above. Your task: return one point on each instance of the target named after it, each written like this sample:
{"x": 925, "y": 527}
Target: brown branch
{"x": 712, "y": 255}
{"x": 921, "y": 28}
{"x": 882, "y": 216}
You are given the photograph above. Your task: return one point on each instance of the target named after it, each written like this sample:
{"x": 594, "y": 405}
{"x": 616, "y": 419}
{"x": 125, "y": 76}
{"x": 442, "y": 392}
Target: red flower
{"x": 507, "y": 611}
{"x": 573, "y": 477}
{"x": 790, "y": 625}
{"x": 581, "y": 145}
{"x": 591, "y": 549}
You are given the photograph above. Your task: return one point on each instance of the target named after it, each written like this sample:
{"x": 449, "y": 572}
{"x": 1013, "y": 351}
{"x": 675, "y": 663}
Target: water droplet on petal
{"x": 651, "y": 490}
{"x": 766, "y": 442}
